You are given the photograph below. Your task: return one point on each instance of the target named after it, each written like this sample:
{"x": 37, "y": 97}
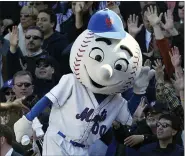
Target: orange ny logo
{"x": 108, "y": 22}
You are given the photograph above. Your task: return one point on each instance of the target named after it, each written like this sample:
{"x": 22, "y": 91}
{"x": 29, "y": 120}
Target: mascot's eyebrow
{"x": 107, "y": 41}
{"x": 122, "y": 47}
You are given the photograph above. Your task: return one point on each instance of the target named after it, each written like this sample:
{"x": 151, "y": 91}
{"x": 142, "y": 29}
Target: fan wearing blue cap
{"x": 7, "y": 90}
{"x": 105, "y": 61}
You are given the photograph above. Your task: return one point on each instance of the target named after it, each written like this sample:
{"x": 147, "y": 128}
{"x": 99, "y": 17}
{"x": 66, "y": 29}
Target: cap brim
{"x": 113, "y": 35}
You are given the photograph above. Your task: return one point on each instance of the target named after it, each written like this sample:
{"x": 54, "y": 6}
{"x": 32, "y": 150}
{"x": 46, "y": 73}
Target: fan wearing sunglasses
{"x": 167, "y": 128}
{"x": 33, "y": 41}
{"x": 22, "y": 84}
{"x": 45, "y": 75}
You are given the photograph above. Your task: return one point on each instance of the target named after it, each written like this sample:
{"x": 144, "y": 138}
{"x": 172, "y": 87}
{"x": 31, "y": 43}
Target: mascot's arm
{"x": 56, "y": 97}
{"x": 38, "y": 108}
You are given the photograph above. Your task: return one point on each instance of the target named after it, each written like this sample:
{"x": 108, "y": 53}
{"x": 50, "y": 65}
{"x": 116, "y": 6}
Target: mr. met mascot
{"x": 105, "y": 61}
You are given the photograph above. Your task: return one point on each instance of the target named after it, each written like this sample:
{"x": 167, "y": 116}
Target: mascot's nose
{"x": 106, "y": 71}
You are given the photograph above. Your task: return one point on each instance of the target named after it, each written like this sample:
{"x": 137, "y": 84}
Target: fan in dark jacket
{"x": 45, "y": 73}
{"x": 167, "y": 128}
{"x": 54, "y": 43}
{"x": 145, "y": 128}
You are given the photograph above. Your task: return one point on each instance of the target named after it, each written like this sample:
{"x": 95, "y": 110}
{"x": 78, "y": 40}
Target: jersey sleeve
{"x": 62, "y": 91}
{"x": 124, "y": 116}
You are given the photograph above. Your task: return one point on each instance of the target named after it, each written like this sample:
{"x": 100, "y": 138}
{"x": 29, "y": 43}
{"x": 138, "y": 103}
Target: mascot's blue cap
{"x": 108, "y": 24}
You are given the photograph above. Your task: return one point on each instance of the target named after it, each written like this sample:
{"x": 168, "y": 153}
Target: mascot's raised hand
{"x": 143, "y": 80}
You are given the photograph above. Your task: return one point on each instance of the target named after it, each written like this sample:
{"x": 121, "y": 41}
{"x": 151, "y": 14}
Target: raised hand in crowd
{"x": 159, "y": 71}
{"x": 14, "y": 38}
{"x": 139, "y": 114}
{"x": 133, "y": 140}
{"x": 152, "y": 16}
{"x": 80, "y": 8}
{"x": 169, "y": 23}
{"x": 176, "y": 59}
{"x": 132, "y": 24}
{"x": 154, "y": 21}
{"x": 179, "y": 85}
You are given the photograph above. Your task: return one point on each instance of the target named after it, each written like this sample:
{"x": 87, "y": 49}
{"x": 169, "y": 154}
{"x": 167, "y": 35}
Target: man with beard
{"x": 33, "y": 41}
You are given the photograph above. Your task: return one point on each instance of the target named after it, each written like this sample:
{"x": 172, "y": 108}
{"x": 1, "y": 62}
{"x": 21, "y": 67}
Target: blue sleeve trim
{"x": 38, "y": 108}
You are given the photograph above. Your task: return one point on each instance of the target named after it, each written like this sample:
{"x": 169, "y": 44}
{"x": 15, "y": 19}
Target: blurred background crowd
{"x": 35, "y": 43}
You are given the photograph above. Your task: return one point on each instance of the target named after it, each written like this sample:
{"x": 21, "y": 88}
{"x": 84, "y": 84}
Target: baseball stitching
{"x": 136, "y": 59}
{"x": 80, "y": 53}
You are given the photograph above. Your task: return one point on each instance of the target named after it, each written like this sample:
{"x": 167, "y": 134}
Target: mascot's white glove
{"x": 23, "y": 127}
{"x": 143, "y": 80}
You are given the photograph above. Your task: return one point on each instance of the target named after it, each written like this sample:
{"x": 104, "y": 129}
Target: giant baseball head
{"x": 105, "y": 58}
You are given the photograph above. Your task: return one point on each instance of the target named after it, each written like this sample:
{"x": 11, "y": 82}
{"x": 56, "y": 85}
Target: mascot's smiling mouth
{"x": 96, "y": 84}
{"x": 93, "y": 82}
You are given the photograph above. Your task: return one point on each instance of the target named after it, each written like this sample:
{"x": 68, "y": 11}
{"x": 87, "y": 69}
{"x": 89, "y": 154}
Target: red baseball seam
{"x": 77, "y": 60}
{"x": 81, "y": 50}
{"x": 75, "y": 68}
{"x": 77, "y": 74}
{"x": 76, "y": 64}
{"x": 79, "y": 55}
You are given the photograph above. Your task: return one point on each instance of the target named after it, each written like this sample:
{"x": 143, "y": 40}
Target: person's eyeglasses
{"x": 180, "y": 7}
{"x": 42, "y": 65}
{"x": 9, "y": 93}
{"x": 26, "y": 85}
{"x": 33, "y": 37}
{"x": 164, "y": 125}
{"x": 25, "y": 15}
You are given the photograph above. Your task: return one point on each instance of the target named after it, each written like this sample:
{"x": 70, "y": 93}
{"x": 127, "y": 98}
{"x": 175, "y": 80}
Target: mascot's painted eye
{"x": 121, "y": 65}
{"x": 97, "y": 54}
{"x": 98, "y": 58}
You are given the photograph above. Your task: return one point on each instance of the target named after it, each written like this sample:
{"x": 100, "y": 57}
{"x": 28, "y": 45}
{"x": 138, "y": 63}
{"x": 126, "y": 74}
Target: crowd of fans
{"x": 35, "y": 42}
